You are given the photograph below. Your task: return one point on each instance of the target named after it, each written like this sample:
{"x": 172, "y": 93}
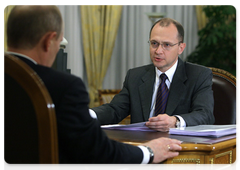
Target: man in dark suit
{"x": 190, "y": 96}
{"x": 34, "y": 34}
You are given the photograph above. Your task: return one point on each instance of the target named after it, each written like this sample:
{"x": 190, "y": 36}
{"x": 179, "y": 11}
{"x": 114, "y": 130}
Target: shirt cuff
{"x": 146, "y": 155}
{"x": 92, "y": 114}
{"x": 182, "y": 121}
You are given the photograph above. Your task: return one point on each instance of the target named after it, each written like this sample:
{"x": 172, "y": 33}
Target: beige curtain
{"x": 201, "y": 17}
{"x": 99, "y": 29}
{"x": 5, "y": 8}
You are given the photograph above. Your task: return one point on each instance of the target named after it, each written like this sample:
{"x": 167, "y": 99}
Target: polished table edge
{"x": 193, "y": 152}
{"x": 197, "y": 146}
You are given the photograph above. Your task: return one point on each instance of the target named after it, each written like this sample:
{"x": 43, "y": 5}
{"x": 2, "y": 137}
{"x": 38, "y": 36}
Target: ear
{"x": 181, "y": 48}
{"x": 48, "y": 40}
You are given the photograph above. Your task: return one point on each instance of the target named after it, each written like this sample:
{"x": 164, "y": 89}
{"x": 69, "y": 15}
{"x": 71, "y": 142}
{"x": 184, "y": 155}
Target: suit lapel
{"x": 146, "y": 91}
{"x": 177, "y": 87}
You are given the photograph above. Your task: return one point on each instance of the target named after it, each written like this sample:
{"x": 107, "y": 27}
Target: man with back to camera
{"x": 188, "y": 95}
{"x": 34, "y": 34}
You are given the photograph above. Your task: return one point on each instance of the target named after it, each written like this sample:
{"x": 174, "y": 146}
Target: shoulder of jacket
{"x": 143, "y": 68}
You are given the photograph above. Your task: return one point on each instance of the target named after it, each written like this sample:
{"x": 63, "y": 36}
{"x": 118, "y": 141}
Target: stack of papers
{"x": 205, "y": 130}
{"x": 200, "y": 130}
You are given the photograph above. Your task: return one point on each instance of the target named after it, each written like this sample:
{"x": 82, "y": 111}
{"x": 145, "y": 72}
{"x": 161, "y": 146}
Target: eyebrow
{"x": 162, "y": 42}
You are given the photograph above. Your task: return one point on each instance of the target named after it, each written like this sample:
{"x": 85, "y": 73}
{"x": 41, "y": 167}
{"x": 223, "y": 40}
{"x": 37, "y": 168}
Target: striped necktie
{"x": 162, "y": 96}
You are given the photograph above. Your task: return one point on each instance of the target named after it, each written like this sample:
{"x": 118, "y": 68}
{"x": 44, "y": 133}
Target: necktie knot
{"x": 163, "y": 77}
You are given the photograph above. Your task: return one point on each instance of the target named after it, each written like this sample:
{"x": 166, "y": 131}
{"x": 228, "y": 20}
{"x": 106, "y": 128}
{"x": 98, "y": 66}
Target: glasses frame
{"x": 164, "y": 48}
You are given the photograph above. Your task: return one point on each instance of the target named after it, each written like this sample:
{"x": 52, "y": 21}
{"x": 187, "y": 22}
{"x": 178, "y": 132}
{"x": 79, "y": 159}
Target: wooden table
{"x": 195, "y": 150}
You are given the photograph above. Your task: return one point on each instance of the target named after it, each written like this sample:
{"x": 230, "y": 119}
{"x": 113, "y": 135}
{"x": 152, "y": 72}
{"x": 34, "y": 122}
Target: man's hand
{"x": 162, "y": 122}
{"x": 164, "y": 148}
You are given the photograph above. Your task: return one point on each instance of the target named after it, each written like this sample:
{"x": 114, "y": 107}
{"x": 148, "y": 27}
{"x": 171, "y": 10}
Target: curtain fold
{"x": 99, "y": 29}
{"x": 201, "y": 17}
{"x": 5, "y": 8}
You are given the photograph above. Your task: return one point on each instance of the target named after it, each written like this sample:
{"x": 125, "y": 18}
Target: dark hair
{"x": 27, "y": 24}
{"x": 165, "y": 22}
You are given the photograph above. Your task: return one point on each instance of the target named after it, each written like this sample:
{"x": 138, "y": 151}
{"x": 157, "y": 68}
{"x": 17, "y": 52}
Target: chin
{"x": 158, "y": 64}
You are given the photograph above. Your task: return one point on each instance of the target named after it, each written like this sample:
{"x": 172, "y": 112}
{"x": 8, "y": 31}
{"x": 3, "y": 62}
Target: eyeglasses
{"x": 165, "y": 45}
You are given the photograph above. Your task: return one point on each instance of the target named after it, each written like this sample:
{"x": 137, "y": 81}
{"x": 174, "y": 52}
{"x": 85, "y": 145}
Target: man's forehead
{"x": 168, "y": 32}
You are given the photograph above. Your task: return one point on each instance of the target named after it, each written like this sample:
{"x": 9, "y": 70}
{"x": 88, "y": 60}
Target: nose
{"x": 159, "y": 49}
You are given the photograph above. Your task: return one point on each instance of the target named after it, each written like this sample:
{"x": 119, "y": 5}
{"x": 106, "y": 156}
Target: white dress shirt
{"x": 168, "y": 82}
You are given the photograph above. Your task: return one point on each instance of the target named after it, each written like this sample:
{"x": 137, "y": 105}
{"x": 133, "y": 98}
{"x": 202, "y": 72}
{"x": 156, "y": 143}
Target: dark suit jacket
{"x": 190, "y": 96}
{"x": 80, "y": 137}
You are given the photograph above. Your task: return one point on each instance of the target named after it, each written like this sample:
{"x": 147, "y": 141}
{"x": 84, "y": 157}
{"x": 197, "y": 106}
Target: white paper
{"x": 205, "y": 130}
{"x": 131, "y": 127}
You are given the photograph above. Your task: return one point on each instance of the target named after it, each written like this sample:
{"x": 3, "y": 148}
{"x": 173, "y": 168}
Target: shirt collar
{"x": 170, "y": 72}
{"x": 21, "y": 55}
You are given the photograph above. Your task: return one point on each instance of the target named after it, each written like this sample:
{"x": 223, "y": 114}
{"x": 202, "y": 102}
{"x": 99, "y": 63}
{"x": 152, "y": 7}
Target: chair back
{"x": 224, "y": 92}
{"x": 30, "y": 129}
{"x": 106, "y": 96}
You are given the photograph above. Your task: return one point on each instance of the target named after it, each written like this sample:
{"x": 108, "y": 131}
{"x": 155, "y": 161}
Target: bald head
{"x": 165, "y": 22}
{"x": 27, "y": 24}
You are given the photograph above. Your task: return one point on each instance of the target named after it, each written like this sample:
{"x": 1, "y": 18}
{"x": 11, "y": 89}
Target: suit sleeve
{"x": 81, "y": 139}
{"x": 202, "y": 102}
{"x": 117, "y": 109}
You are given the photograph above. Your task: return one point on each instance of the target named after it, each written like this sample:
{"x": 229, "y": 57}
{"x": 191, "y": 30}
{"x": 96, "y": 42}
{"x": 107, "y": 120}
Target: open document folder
{"x": 200, "y": 130}
{"x": 133, "y": 127}
{"x": 205, "y": 130}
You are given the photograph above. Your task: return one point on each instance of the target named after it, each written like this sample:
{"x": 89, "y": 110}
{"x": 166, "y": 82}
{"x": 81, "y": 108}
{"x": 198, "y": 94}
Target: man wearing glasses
{"x": 168, "y": 93}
